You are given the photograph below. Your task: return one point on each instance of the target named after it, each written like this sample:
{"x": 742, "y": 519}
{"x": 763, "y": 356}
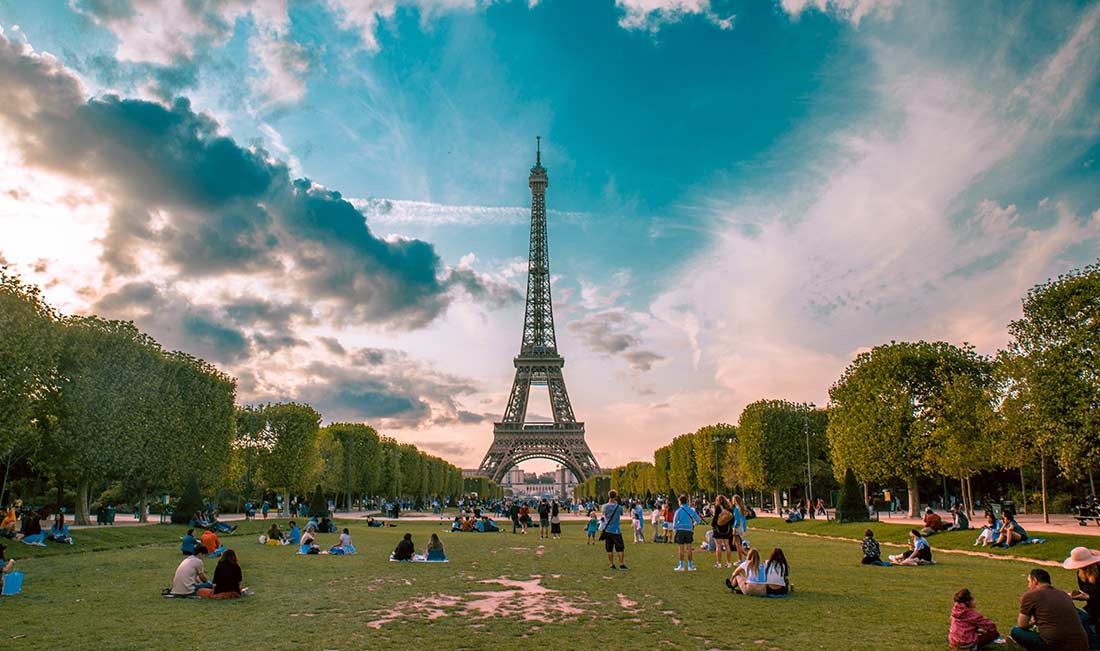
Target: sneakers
{"x": 623, "y": 567}
{"x": 679, "y": 568}
{"x": 614, "y": 568}
{"x": 691, "y": 568}
{"x": 729, "y": 565}
{"x": 717, "y": 565}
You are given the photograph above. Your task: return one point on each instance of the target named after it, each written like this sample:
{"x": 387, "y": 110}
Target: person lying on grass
{"x": 872, "y": 555}
{"x": 405, "y": 549}
{"x": 190, "y": 574}
{"x": 920, "y": 552}
{"x": 227, "y": 579}
{"x": 969, "y": 628}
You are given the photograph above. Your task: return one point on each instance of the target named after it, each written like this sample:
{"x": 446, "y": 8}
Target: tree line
{"x": 906, "y": 410}
{"x": 85, "y": 401}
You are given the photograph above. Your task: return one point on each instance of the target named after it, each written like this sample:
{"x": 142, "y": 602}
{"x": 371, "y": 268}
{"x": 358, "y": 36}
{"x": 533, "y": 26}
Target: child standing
{"x": 969, "y": 628}
{"x": 683, "y": 523}
{"x": 872, "y": 555}
{"x": 656, "y": 521}
{"x": 593, "y": 527}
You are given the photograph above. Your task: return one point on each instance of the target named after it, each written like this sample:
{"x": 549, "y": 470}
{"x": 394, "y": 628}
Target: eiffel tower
{"x": 538, "y": 364}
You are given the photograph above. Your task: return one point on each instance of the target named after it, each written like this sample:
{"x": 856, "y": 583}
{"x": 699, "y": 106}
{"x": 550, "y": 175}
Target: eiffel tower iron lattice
{"x": 538, "y": 364}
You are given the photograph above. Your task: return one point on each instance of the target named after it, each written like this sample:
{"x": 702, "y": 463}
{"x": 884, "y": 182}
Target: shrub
{"x": 851, "y": 507}
{"x": 189, "y": 503}
{"x": 317, "y": 505}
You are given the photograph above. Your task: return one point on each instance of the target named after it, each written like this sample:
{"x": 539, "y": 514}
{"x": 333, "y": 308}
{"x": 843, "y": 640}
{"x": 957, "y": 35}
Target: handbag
{"x": 603, "y": 525}
{"x": 555, "y": 520}
{"x": 725, "y": 517}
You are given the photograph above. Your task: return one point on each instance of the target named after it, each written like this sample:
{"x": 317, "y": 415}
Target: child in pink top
{"x": 969, "y": 628}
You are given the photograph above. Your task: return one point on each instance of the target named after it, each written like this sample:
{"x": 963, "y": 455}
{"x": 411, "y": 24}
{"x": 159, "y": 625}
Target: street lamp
{"x": 809, "y": 470}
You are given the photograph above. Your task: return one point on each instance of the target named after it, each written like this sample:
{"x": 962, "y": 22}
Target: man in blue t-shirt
{"x": 612, "y": 531}
{"x": 683, "y": 523}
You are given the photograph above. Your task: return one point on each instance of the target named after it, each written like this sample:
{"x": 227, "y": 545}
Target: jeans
{"x": 1090, "y": 630}
{"x": 1029, "y": 640}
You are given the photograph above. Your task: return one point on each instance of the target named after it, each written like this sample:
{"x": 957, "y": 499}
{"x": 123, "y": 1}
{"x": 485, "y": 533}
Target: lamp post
{"x": 809, "y": 470}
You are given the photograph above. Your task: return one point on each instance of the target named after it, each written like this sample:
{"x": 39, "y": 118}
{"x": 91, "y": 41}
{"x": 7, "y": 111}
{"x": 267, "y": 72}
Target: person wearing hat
{"x": 959, "y": 521}
{"x": 1087, "y": 564}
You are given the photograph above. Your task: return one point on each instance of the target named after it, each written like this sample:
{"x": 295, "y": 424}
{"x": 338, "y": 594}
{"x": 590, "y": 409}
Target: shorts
{"x": 723, "y": 536}
{"x": 684, "y": 537}
{"x": 613, "y": 542}
{"x": 544, "y": 522}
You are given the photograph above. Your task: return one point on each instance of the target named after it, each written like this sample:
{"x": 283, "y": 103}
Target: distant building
{"x": 471, "y": 472}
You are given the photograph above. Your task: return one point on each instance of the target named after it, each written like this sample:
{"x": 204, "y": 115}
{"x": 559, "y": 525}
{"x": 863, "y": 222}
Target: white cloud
{"x": 364, "y": 16}
{"x": 850, "y": 10}
{"x": 397, "y": 212}
{"x": 651, "y": 15}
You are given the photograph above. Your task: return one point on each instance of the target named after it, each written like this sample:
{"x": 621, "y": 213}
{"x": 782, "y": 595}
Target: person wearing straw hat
{"x": 1087, "y": 564}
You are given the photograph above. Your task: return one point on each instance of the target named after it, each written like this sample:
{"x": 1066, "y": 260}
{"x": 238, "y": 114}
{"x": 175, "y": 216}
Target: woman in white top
{"x": 750, "y": 576}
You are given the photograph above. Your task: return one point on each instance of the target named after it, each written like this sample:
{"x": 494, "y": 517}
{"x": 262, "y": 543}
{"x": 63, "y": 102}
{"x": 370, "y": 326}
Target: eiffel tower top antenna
{"x": 538, "y": 151}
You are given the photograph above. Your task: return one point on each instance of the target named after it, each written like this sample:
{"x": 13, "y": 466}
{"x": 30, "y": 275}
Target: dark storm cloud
{"x": 227, "y": 343}
{"x": 603, "y": 332}
{"x": 332, "y": 345}
{"x": 207, "y": 206}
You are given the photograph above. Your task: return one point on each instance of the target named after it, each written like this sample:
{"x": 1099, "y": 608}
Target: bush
{"x": 190, "y": 502}
{"x": 317, "y": 505}
{"x": 851, "y": 507}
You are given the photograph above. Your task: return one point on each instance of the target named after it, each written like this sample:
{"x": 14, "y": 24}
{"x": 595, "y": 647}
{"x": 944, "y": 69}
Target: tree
{"x": 359, "y": 444}
{"x": 293, "y": 455}
{"x": 962, "y": 417}
{"x": 771, "y": 440}
{"x": 1055, "y": 351}
{"x": 681, "y": 469}
{"x": 851, "y": 507}
{"x": 29, "y": 346}
{"x": 318, "y": 506}
{"x": 882, "y": 410}
{"x": 190, "y": 502}
{"x": 662, "y": 457}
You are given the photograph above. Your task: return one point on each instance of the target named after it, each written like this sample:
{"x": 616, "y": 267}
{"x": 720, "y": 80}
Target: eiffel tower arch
{"x": 538, "y": 364}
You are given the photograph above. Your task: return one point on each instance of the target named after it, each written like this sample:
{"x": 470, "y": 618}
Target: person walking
{"x": 639, "y": 523}
{"x": 740, "y": 528}
{"x": 612, "y": 533}
{"x": 555, "y": 520}
{"x": 544, "y": 519}
{"x": 513, "y": 513}
{"x": 683, "y": 523}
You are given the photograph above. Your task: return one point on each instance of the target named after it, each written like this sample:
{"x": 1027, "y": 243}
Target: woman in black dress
{"x": 227, "y": 579}
{"x": 555, "y": 521}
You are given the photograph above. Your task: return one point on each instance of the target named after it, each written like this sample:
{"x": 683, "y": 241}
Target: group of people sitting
{"x": 470, "y": 523}
{"x": 30, "y": 527}
{"x": 770, "y": 579}
{"x": 919, "y": 552}
{"x": 190, "y": 579}
{"x": 1048, "y": 618}
{"x": 209, "y": 520}
{"x": 406, "y": 550}
{"x": 306, "y": 541}
{"x": 1005, "y": 532}
{"x": 208, "y": 540}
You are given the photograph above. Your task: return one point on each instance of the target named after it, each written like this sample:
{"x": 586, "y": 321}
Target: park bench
{"x": 1084, "y": 514}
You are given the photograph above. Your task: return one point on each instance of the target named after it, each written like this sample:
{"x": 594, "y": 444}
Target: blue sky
{"x": 743, "y": 195}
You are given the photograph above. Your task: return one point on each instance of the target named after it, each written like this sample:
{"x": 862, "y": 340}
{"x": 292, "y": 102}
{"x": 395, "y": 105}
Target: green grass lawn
{"x": 105, "y": 592}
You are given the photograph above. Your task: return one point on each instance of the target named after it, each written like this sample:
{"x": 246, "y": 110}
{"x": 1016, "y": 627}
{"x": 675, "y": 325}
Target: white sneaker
{"x": 678, "y": 568}
{"x": 692, "y": 568}
{"x": 717, "y": 565}
{"x": 729, "y": 565}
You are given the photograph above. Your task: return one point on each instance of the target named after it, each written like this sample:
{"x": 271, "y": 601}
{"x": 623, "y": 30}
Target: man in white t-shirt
{"x": 191, "y": 574}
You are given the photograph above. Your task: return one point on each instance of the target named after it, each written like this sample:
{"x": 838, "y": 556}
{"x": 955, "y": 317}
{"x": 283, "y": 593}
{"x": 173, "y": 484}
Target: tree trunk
{"x": 1043, "y": 475}
{"x": 962, "y": 490}
{"x": 970, "y": 496}
{"x": 143, "y": 499}
{"x": 83, "y": 516}
{"x": 1023, "y": 488}
{"x": 4, "y": 486}
{"x": 914, "y": 496}
{"x": 778, "y": 497}
{"x": 1092, "y": 483}
{"x": 866, "y": 492}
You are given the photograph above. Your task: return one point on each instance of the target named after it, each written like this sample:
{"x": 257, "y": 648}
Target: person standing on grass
{"x": 655, "y": 521}
{"x": 544, "y": 519}
{"x": 612, "y": 531}
{"x": 555, "y": 520}
{"x": 1051, "y": 612}
{"x": 722, "y": 524}
{"x": 513, "y": 514}
{"x": 740, "y": 528}
{"x": 639, "y": 520}
{"x": 683, "y": 523}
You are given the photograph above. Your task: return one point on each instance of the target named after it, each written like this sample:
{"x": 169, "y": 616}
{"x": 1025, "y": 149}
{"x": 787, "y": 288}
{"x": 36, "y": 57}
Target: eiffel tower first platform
{"x": 538, "y": 364}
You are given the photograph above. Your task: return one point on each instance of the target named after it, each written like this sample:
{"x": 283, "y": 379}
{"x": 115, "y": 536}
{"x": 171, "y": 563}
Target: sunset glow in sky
{"x": 328, "y": 199}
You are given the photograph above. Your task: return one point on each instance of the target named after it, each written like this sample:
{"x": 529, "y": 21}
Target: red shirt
{"x": 210, "y": 541}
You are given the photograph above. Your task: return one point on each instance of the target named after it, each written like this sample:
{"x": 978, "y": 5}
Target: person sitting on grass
{"x": 6, "y": 569}
{"x": 1087, "y": 564}
{"x": 872, "y": 555}
{"x": 488, "y": 526}
{"x": 434, "y": 550}
{"x": 31, "y": 529}
{"x": 213, "y": 546}
{"x": 1011, "y": 531}
{"x": 989, "y": 533}
{"x": 684, "y": 524}
{"x": 969, "y": 628}
{"x": 749, "y": 577}
{"x": 1052, "y": 613}
{"x": 199, "y": 521}
{"x": 275, "y": 535}
{"x": 777, "y": 573}
{"x": 308, "y": 544}
{"x": 933, "y": 523}
{"x": 920, "y": 553}
{"x": 190, "y": 575}
{"x": 187, "y": 544}
{"x": 457, "y": 524}
{"x": 294, "y": 535}
{"x": 344, "y": 546}
{"x": 959, "y": 521}
{"x": 326, "y": 526}
{"x": 7, "y": 526}
{"x": 793, "y": 516}
{"x": 405, "y": 549}
{"x": 59, "y": 531}
{"x": 219, "y": 526}
{"x": 227, "y": 579}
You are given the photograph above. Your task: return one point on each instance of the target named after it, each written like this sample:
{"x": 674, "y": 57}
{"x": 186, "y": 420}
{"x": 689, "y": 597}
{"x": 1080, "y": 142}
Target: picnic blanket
{"x": 419, "y": 558}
